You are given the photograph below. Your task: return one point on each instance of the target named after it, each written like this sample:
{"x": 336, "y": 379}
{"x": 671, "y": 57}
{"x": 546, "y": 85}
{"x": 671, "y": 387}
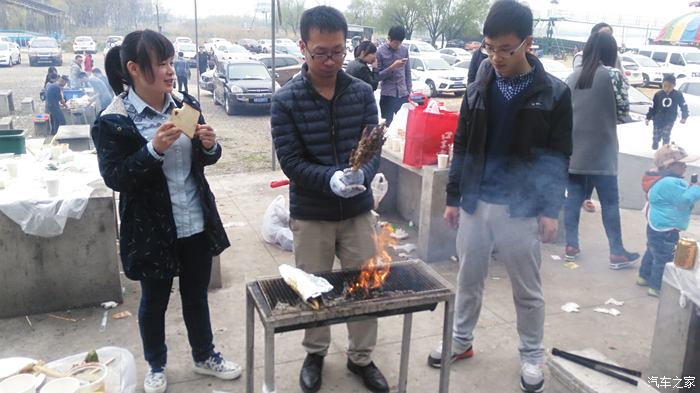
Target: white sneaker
{"x": 531, "y": 378}
{"x": 218, "y": 367}
{"x": 155, "y": 381}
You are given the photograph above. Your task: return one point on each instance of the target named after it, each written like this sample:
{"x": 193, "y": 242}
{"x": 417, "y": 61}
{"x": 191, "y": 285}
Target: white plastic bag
{"x": 275, "y": 225}
{"x": 380, "y": 186}
{"x": 121, "y": 374}
{"x": 400, "y": 120}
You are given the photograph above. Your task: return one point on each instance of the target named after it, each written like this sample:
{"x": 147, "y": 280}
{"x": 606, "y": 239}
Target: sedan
{"x": 632, "y": 73}
{"x": 454, "y": 55}
{"x": 439, "y": 76}
{"x": 556, "y": 68}
{"x": 251, "y": 46}
{"x": 226, "y": 51}
{"x": 9, "y": 54}
{"x": 243, "y": 85}
{"x": 84, "y": 44}
{"x": 652, "y": 73}
{"x": 286, "y": 66}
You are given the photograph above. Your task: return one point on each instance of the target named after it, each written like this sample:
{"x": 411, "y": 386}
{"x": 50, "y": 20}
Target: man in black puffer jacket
{"x": 317, "y": 120}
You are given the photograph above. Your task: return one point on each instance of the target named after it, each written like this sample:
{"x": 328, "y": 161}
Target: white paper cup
{"x": 20, "y": 383}
{"x": 52, "y": 186}
{"x": 62, "y": 385}
{"x": 442, "y": 161}
{"x": 12, "y": 169}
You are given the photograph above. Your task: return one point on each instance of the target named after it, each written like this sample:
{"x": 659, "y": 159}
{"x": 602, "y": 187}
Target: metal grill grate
{"x": 405, "y": 279}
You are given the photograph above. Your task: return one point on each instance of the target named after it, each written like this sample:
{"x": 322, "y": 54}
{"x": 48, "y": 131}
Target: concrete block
{"x": 215, "y": 281}
{"x": 675, "y": 349}
{"x": 7, "y": 105}
{"x": 6, "y": 123}
{"x": 27, "y": 105}
{"x": 569, "y": 377}
{"x": 76, "y": 136}
{"x": 77, "y": 269}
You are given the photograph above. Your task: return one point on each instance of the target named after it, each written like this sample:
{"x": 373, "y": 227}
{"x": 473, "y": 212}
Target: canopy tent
{"x": 684, "y": 30}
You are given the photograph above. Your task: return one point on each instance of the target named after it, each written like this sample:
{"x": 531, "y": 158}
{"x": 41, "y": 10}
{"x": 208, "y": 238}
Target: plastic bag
{"x": 121, "y": 375}
{"x": 380, "y": 186}
{"x": 400, "y": 121}
{"x": 275, "y": 225}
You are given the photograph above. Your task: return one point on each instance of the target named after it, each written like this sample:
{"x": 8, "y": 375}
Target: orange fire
{"x": 376, "y": 269}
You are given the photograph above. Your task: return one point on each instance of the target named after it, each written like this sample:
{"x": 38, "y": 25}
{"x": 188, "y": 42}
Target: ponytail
{"x": 141, "y": 47}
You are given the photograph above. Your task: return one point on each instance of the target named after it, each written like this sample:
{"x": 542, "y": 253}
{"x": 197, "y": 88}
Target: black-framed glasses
{"x": 322, "y": 57}
{"x": 503, "y": 53}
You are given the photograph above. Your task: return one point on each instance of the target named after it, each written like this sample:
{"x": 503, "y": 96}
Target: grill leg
{"x": 249, "y": 343}
{"x": 446, "y": 346}
{"x": 405, "y": 351}
{"x": 269, "y": 385}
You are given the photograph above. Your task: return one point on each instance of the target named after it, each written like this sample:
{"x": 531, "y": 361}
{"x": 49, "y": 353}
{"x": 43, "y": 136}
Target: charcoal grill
{"x": 411, "y": 286}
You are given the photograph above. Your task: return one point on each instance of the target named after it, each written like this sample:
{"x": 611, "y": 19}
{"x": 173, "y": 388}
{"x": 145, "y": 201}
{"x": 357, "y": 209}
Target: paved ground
{"x": 240, "y": 183}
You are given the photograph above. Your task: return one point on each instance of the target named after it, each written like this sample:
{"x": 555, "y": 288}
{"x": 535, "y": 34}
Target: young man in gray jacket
{"x": 317, "y": 120}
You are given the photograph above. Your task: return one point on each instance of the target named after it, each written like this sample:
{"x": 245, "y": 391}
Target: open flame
{"x": 376, "y": 270}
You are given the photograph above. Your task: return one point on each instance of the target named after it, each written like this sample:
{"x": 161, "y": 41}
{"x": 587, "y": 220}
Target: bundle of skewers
{"x": 370, "y": 145}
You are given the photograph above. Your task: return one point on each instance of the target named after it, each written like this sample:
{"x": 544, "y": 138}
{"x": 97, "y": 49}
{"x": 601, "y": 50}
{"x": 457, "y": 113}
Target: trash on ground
{"x": 108, "y": 305}
{"x": 495, "y": 278}
{"x": 275, "y": 225}
{"x": 404, "y": 255}
{"x": 612, "y": 311}
{"x": 399, "y": 234}
{"x": 411, "y": 224}
{"x": 103, "y": 323}
{"x": 29, "y": 322}
{"x": 614, "y": 302}
{"x": 556, "y": 257}
{"x": 571, "y": 307}
{"x": 407, "y": 248}
{"x": 121, "y": 315}
{"x": 62, "y": 318}
{"x": 454, "y": 258}
{"x": 235, "y": 224}
{"x": 570, "y": 265}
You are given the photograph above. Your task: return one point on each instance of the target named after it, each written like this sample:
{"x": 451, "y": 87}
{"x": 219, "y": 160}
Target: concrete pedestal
{"x": 569, "y": 377}
{"x": 6, "y": 123}
{"x": 76, "y": 269}
{"x": 7, "y": 105}
{"x": 76, "y": 136}
{"x": 675, "y": 350}
{"x": 27, "y": 105}
{"x": 419, "y": 195}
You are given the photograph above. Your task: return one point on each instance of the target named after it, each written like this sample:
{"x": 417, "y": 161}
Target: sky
{"x": 616, "y": 12}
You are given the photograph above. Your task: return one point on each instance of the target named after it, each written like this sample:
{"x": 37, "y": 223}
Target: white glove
{"x": 353, "y": 177}
{"x": 343, "y": 190}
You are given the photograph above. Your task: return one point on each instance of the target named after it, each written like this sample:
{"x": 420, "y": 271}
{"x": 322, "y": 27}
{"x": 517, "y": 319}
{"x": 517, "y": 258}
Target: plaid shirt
{"x": 511, "y": 87}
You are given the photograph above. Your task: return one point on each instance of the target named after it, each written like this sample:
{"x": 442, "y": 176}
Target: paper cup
{"x": 62, "y": 385}
{"x": 12, "y": 169}
{"x": 442, "y": 161}
{"x": 20, "y": 383}
{"x": 52, "y": 187}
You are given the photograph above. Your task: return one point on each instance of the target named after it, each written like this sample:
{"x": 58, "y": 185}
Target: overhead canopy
{"x": 682, "y": 30}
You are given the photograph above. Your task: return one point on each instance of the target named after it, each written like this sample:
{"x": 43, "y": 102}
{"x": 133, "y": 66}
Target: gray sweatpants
{"x": 517, "y": 244}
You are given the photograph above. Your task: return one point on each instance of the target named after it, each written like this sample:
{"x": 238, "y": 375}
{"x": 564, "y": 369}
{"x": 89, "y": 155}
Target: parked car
{"x": 690, "y": 87}
{"x": 242, "y": 84}
{"x": 84, "y": 44}
{"x": 652, "y": 73}
{"x": 228, "y": 51}
{"x": 420, "y": 49}
{"x": 112, "y": 41}
{"x": 210, "y": 44}
{"x": 251, "y": 45}
{"x": 206, "y": 80}
{"x": 632, "y": 73}
{"x": 439, "y": 76}
{"x": 189, "y": 51}
{"x": 556, "y": 68}
{"x": 682, "y": 61}
{"x": 266, "y": 45}
{"x": 9, "y": 54}
{"x": 639, "y": 105}
{"x": 286, "y": 66}
{"x": 182, "y": 40}
{"x": 463, "y": 68}
{"x": 45, "y": 50}
{"x": 454, "y": 55}
{"x": 455, "y": 44}
{"x": 289, "y": 50}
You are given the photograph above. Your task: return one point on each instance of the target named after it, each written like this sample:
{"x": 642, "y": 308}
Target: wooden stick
{"x": 62, "y": 318}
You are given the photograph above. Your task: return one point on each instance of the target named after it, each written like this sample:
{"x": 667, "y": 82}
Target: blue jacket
{"x": 671, "y": 201}
{"x": 314, "y": 138}
{"x": 147, "y": 233}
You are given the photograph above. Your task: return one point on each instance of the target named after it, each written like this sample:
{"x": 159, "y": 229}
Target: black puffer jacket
{"x": 148, "y": 233}
{"x": 314, "y": 138}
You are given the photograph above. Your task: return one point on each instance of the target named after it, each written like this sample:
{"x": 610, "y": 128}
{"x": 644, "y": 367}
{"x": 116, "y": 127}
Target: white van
{"x": 682, "y": 61}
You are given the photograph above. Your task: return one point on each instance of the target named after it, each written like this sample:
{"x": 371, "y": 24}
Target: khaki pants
{"x": 316, "y": 244}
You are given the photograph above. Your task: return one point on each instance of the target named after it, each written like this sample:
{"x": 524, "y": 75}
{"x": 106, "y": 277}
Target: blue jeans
{"x": 390, "y": 105}
{"x": 57, "y": 119}
{"x": 660, "y": 249}
{"x": 578, "y": 191}
{"x": 195, "y": 272}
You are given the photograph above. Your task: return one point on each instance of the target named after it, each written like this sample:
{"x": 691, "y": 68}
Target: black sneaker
{"x": 624, "y": 260}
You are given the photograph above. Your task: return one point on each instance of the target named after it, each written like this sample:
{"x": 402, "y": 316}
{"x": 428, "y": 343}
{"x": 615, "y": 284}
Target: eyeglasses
{"x": 323, "y": 57}
{"x": 503, "y": 53}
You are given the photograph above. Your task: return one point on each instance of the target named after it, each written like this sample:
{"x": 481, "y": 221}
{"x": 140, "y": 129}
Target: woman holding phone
{"x": 169, "y": 222}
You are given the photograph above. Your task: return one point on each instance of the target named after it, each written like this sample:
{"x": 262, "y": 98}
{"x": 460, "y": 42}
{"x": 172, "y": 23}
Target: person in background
{"x": 103, "y": 97}
{"x": 330, "y": 205}
{"x": 170, "y": 225}
{"x": 394, "y": 73}
{"x": 664, "y": 111}
{"x": 96, "y": 72}
{"x": 182, "y": 71}
{"x": 477, "y": 58}
{"x": 51, "y": 71}
{"x": 202, "y": 59}
{"x": 365, "y": 55}
{"x": 506, "y": 183}
{"x": 55, "y": 102}
{"x": 671, "y": 201}
{"x": 75, "y": 69}
{"x": 599, "y": 96}
{"x": 87, "y": 63}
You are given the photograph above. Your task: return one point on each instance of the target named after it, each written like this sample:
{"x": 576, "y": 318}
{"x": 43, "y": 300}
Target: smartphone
{"x": 694, "y": 178}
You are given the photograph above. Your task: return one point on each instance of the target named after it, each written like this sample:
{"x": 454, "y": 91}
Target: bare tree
{"x": 291, "y": 11}
{"x": 401, "y": 12}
